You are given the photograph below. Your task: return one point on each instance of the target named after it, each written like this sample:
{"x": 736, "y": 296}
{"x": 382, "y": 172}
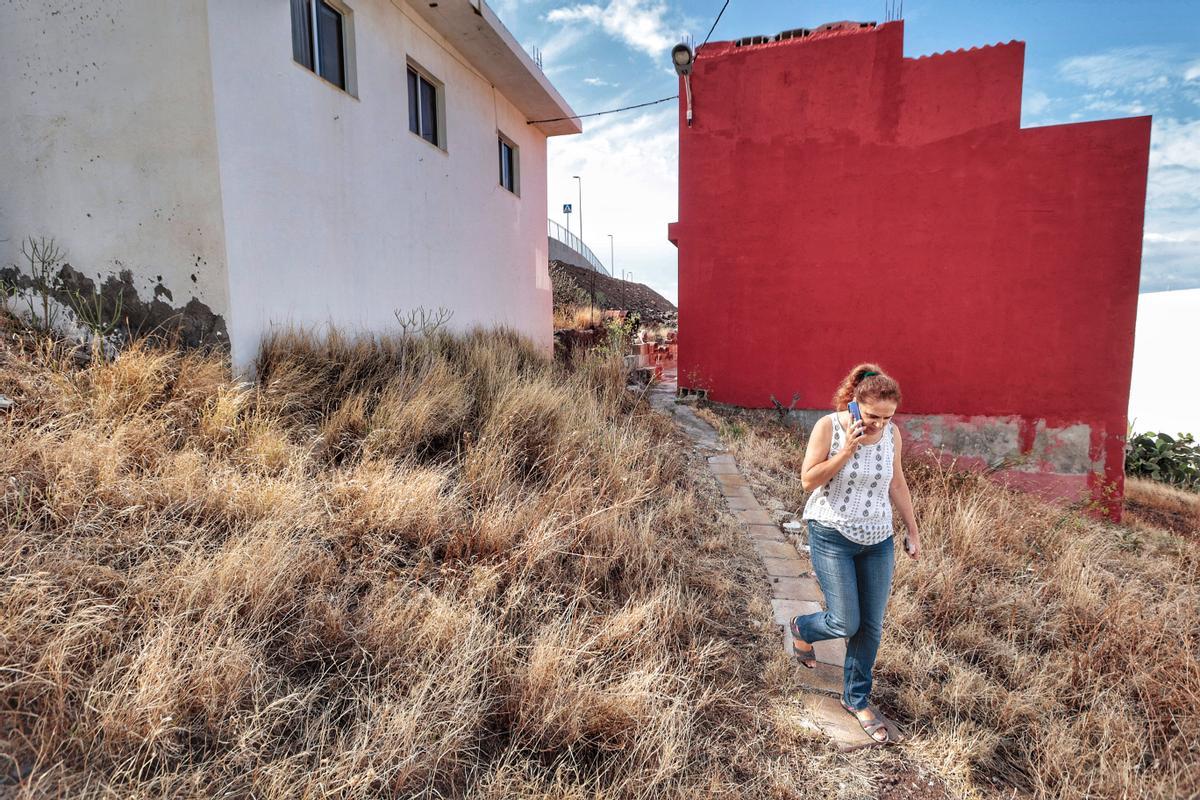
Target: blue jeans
{"x": 856, "y": 579}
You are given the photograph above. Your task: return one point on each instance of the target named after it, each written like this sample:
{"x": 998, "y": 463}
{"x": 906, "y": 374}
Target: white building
{"x": 241, "y": 165}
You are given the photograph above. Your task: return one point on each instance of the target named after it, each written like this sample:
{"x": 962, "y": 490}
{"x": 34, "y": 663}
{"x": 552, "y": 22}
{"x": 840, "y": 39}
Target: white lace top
{"x": 855, "y": 500}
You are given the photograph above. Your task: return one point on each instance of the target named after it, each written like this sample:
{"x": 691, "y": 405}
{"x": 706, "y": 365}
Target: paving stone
{"x": 803, "y": 588}
{"x": 782, "y": 611}
{"x": 766, "y": 533}
{"x": 774, "y": 549}
{"x": 724, "y": 458}
{"x": 841, "y": 726}
{"x": 829, "y": 651}
{"x": 786, "y": 567}
{"x": 744, "y": 492}
{"x": 722, "y": 467}
{"x": 732, "y": 480}
{"x": 743, "y": 504}
{"x": 754, "y": 517}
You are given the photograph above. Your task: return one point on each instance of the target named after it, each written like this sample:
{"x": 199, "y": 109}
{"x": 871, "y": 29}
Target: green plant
{"x": 1165, "y": 458}
{"x": 620, "y": 334}
{"x": 90, "y": 313}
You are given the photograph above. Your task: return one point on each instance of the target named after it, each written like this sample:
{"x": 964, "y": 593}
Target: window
{"x": 320, "y": 40}
{"x": 509, "y": 165}
{"x": 425, "y": 107}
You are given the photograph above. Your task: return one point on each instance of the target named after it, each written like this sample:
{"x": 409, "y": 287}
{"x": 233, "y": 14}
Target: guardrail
{"x": 561, "y": 234}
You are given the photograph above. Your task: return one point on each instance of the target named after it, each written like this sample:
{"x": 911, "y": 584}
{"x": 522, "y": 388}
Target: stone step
{"x": 796, "y": 589}
{"x": 755, "y": 517}
{"x": 732, "y": 480}
{"x": 787, "y": 567}
{"x": 743, "y": 492}
{"x": 722, "y": 467}
{"x": 766, "y": 533}
{"x": 775, "y": 549}
{"x": 840, "y": 725}
{"x": 829, "y": 651}
{"x": 743, "y": 504}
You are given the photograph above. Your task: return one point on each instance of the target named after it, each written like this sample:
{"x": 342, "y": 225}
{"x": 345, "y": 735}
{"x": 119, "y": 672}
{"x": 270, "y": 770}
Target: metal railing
{"x": 561, "y": 234}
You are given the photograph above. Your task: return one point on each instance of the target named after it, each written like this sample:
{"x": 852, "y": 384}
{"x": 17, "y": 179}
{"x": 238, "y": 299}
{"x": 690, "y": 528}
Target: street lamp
{"x": 576, "y": 177}
{"x": 682, "y": 58}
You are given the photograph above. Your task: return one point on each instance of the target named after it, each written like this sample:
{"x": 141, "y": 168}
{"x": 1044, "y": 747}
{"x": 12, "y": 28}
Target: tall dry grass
{"x": 435, "y": 566}
{"x": 1030, "y": 647}
{"x": 576, "y": 317}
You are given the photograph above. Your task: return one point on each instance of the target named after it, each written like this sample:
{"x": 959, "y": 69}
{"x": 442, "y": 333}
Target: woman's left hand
{"x": 912, "y": 544}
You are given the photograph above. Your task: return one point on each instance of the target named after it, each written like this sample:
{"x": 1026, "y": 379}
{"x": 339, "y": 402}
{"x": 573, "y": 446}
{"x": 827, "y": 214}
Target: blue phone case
{"x": 855, "y": 414}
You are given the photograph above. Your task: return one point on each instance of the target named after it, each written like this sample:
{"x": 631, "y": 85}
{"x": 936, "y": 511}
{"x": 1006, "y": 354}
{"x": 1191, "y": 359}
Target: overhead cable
{"x": 714, "y": 25}
{"x": 639, "y": 105}
{"x": 599, "y": 113}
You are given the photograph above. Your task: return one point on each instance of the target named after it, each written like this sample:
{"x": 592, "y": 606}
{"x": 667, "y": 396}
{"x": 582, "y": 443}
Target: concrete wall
{"x": 842, "y": 203}
{"x": 335, "y": 211}
{"x": 110, "y": 147}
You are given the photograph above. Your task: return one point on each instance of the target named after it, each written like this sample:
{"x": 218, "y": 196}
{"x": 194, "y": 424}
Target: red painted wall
{"x": 840, "y": 203}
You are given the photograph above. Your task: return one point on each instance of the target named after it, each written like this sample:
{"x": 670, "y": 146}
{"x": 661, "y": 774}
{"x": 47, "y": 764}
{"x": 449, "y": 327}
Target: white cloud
{"x": 1127, "y": 68}
{"x": 639, "y": 24}
{"x": 1192, "y": 72}
{"x": 1036, "y": 102}
{"x": 597, "y": 82}
{"x": 629, "y": 170}
{"x": 1171, "y": 242}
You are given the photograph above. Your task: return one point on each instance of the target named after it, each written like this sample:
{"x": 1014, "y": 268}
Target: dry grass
{"x": 436, "y": 566}
{"x": 572, "y": 317}
{"x": 1149, "y": 504}
{"x": 1030, "y": 647}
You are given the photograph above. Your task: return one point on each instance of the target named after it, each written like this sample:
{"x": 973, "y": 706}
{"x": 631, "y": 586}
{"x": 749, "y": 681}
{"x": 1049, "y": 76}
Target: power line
{"x": 639, "y": 105}
{"x": 714, "y": 25}
{"x": 600, "y": 113}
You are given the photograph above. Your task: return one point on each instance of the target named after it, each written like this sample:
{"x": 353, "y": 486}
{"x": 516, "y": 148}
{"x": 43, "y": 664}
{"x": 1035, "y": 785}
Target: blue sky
{"x": 1083, "y": 61}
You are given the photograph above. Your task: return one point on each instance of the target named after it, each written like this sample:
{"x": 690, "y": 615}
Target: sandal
{"x": 871, "y": 726}
{"x": 808, "y": 658}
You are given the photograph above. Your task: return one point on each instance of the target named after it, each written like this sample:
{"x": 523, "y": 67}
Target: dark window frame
{"x": 510, "y": 163}
{"x": 426, "y": 105}
{"x": 322, "y": 40}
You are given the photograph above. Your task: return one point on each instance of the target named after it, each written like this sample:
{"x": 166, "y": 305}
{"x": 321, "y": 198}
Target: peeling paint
{"x": 194, "y": 322}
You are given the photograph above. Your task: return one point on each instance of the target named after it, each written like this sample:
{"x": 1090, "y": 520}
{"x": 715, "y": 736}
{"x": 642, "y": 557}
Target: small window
{"x": 509, "y": 166}
{"x": 320, "y": 39}
{"x": 425, "y": 107}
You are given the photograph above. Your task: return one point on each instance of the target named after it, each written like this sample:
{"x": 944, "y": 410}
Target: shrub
{"x": 1161, "y": 457}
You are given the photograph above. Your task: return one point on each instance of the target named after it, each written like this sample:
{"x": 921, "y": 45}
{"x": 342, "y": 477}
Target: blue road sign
{"x": 566, "y": 208}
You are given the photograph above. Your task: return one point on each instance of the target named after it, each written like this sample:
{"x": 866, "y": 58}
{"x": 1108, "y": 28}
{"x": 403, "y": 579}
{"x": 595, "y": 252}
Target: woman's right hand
{"x": 854, "y": 436}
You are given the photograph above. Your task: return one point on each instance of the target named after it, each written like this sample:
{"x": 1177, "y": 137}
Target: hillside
{"x": 613, "y": 293}
{"x": 417, "y": 567}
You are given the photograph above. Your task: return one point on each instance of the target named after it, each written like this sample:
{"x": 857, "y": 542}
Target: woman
{"x": 847, "y": 467}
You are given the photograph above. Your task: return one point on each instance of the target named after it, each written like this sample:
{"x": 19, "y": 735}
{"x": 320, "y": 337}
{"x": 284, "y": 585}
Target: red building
{"x": 841, "y": 203}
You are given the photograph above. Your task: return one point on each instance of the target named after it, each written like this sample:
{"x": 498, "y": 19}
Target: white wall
{"x": 109, "y": 142}
{"x": 1166, "y": 370}
{"x": 335, "y": 211}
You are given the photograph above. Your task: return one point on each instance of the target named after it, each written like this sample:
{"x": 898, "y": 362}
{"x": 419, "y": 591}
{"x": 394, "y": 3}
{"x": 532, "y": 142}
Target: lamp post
{"x": 610, "y": 255}
{"x": 576, "y": 177}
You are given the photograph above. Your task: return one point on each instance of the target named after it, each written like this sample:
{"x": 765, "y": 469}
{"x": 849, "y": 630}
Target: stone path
{"x": 794, "y": 587}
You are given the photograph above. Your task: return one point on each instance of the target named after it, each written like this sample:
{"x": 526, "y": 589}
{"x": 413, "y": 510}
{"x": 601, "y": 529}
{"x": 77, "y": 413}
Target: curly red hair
{"x": 861, "y": 384}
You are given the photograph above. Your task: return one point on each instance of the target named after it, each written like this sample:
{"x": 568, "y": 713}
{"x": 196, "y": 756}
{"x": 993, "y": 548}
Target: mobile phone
{"x": 855, "y": 414}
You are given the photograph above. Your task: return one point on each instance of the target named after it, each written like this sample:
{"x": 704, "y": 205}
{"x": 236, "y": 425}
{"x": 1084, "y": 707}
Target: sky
{"x": 1083, "y": 61}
